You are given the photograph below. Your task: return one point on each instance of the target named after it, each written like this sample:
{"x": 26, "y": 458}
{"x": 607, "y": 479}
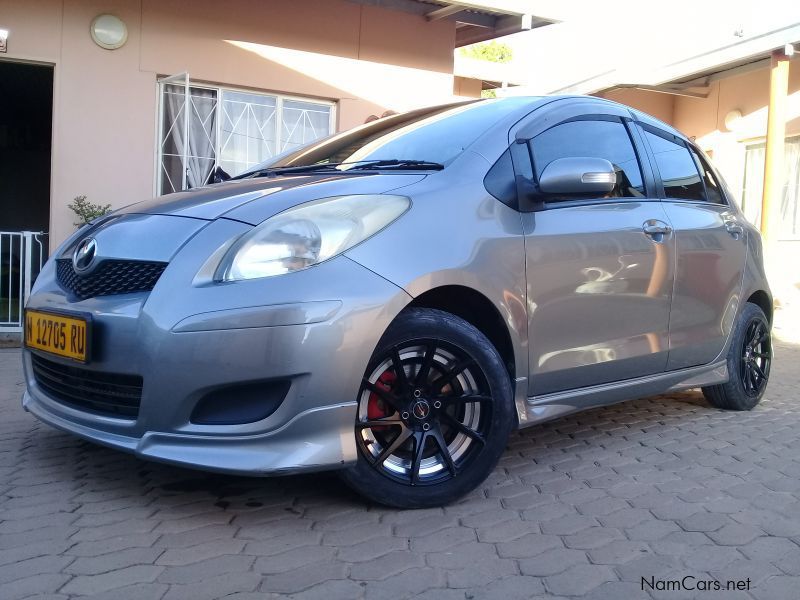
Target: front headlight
{"x": 308, "y": 234}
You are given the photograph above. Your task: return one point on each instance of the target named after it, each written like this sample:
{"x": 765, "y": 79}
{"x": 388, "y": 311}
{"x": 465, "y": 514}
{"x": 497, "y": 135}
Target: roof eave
{"x": 722, "y": 62}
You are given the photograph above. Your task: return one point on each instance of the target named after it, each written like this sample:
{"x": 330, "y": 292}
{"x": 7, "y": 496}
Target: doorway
{"x": 26, "y": 123}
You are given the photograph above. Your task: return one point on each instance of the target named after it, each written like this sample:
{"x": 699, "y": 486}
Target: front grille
{"x": 110, "y": 277}
{"x": 109, "y": 394}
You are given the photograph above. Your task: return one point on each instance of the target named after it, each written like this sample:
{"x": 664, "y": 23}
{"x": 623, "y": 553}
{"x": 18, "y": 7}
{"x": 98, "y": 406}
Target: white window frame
{"x": 753, "y": 143}
{"x": 220, "y": 91}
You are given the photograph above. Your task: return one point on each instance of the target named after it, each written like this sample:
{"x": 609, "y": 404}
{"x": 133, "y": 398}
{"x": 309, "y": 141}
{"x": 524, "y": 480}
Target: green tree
{"x": 493, "y": 51}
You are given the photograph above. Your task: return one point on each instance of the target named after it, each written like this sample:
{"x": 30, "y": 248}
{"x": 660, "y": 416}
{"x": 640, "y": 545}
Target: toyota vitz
{"x": 394, "y": 300}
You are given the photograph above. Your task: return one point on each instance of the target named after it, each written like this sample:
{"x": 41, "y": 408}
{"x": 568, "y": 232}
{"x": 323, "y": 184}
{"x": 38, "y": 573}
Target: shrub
{"x": 86, "y": 211}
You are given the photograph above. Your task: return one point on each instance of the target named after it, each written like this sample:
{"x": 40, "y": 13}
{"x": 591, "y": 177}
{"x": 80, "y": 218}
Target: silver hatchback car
{"x": 394, "y": 300}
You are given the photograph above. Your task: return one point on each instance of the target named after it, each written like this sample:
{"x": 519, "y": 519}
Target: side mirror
{"x": 578, "y": 175}
{"x": 218, "y": 175}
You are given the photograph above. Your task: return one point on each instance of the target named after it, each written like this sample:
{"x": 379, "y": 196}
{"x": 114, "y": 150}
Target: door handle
{"x": 656, "y": 230}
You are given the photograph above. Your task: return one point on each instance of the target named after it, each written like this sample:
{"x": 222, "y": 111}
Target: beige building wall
{"x": 704, "y": 119}
{"x": 467, "y": 87}
{"x": 366, "y": 59}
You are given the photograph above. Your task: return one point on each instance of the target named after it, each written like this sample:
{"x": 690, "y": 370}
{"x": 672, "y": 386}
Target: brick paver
{"x": 582, "y": 507}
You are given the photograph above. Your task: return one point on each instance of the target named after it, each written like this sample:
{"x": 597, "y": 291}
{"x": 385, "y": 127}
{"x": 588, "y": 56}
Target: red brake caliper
{"x": 377, "y": 408}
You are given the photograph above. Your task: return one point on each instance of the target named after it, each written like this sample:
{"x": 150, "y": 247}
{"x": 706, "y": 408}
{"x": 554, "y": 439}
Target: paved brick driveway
{"x": 582, "y": 507}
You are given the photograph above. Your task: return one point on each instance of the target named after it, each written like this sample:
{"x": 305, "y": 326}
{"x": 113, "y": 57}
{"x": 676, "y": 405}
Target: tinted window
{"x": 713, "y": 191}
{"x": 500, "y": 182}
{"x": 678, "y": 170}
{"x": 596, "y": 139}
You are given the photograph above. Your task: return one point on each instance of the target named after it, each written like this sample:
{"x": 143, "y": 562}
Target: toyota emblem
{"x": 84, "y": 255}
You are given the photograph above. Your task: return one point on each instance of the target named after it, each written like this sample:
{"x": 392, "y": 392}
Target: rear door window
{"x": 678, "y": 169}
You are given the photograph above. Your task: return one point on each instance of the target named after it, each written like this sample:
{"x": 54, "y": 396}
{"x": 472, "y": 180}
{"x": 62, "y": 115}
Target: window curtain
{"x": 753, "y": 183}
{"x": 172, "y": 144}
{"x": 790, "y": 205}
{"x": 201, "y": 137}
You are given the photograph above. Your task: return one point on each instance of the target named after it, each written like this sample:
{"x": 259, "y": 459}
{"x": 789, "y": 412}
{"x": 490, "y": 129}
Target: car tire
{"x": 749, "y": 361}
{"x": 432, "y": 429}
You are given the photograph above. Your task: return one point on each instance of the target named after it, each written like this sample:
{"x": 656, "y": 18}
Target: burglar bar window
{"x": 232, "y": 129}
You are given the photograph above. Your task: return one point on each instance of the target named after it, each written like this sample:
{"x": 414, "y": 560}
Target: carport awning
{"x": 476, "y": 20}
{"x": 691, "y": 76}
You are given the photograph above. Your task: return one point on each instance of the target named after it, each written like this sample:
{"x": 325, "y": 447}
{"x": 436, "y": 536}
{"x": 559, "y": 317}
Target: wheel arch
{"x": 763, "y": 300}
{"x": 475, "y": 308}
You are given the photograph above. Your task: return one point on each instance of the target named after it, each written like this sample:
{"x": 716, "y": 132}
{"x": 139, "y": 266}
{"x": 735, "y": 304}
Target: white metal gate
{"x": 22, "y": 254}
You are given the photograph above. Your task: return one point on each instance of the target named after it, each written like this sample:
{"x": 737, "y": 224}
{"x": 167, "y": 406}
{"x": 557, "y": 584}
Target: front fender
{"x": 457, "y": 236}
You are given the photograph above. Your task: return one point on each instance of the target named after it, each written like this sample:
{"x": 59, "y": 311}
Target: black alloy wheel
{"x": 434, "y": 412}
{"x": 749, "y": 361}
{"x": 424, "y": 411}
{"x": 756, "y": 357}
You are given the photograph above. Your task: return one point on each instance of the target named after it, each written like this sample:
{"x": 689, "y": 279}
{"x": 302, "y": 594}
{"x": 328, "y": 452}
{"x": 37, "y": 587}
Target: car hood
{"x": 254, "y": 200}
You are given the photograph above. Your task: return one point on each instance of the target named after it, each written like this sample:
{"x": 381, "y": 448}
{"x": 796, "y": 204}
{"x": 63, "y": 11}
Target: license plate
{"x": 60, "y": 334}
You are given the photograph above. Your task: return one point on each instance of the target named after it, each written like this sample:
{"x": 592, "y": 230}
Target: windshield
{"x": 433, "y": 135}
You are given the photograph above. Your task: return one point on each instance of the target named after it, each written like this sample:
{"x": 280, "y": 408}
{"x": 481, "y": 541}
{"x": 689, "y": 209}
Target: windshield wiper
{"x": 273, "y": 171}
{"x": 361, "y": 165}
{"x": 401, "y": 163}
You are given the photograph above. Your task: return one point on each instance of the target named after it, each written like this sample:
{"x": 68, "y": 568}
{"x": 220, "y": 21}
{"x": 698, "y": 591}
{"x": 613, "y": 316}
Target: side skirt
{"x": 551, "y": 406}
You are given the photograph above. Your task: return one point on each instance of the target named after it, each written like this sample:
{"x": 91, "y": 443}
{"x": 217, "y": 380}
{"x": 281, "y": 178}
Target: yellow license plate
{"x": 58, "y": 334}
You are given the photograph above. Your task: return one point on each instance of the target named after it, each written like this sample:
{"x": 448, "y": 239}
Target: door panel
{"x": 711, "y": 253}
{"x": 599, "y": 293}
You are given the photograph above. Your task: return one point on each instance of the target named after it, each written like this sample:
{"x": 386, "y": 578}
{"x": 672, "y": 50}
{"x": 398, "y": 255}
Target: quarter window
{"x": 678, "y": 170}
{"x": 595, "y": 139}
{"x": 500, "y": 182}
{"x": 713, "y": 191}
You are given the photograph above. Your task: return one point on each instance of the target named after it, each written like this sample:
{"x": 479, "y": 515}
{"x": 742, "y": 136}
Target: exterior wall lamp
{"x": 109, "y": 32}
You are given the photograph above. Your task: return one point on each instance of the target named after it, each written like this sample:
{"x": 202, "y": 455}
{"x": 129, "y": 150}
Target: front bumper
{"x": 315, "y": 328}
{"x": 317, "y": 439}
